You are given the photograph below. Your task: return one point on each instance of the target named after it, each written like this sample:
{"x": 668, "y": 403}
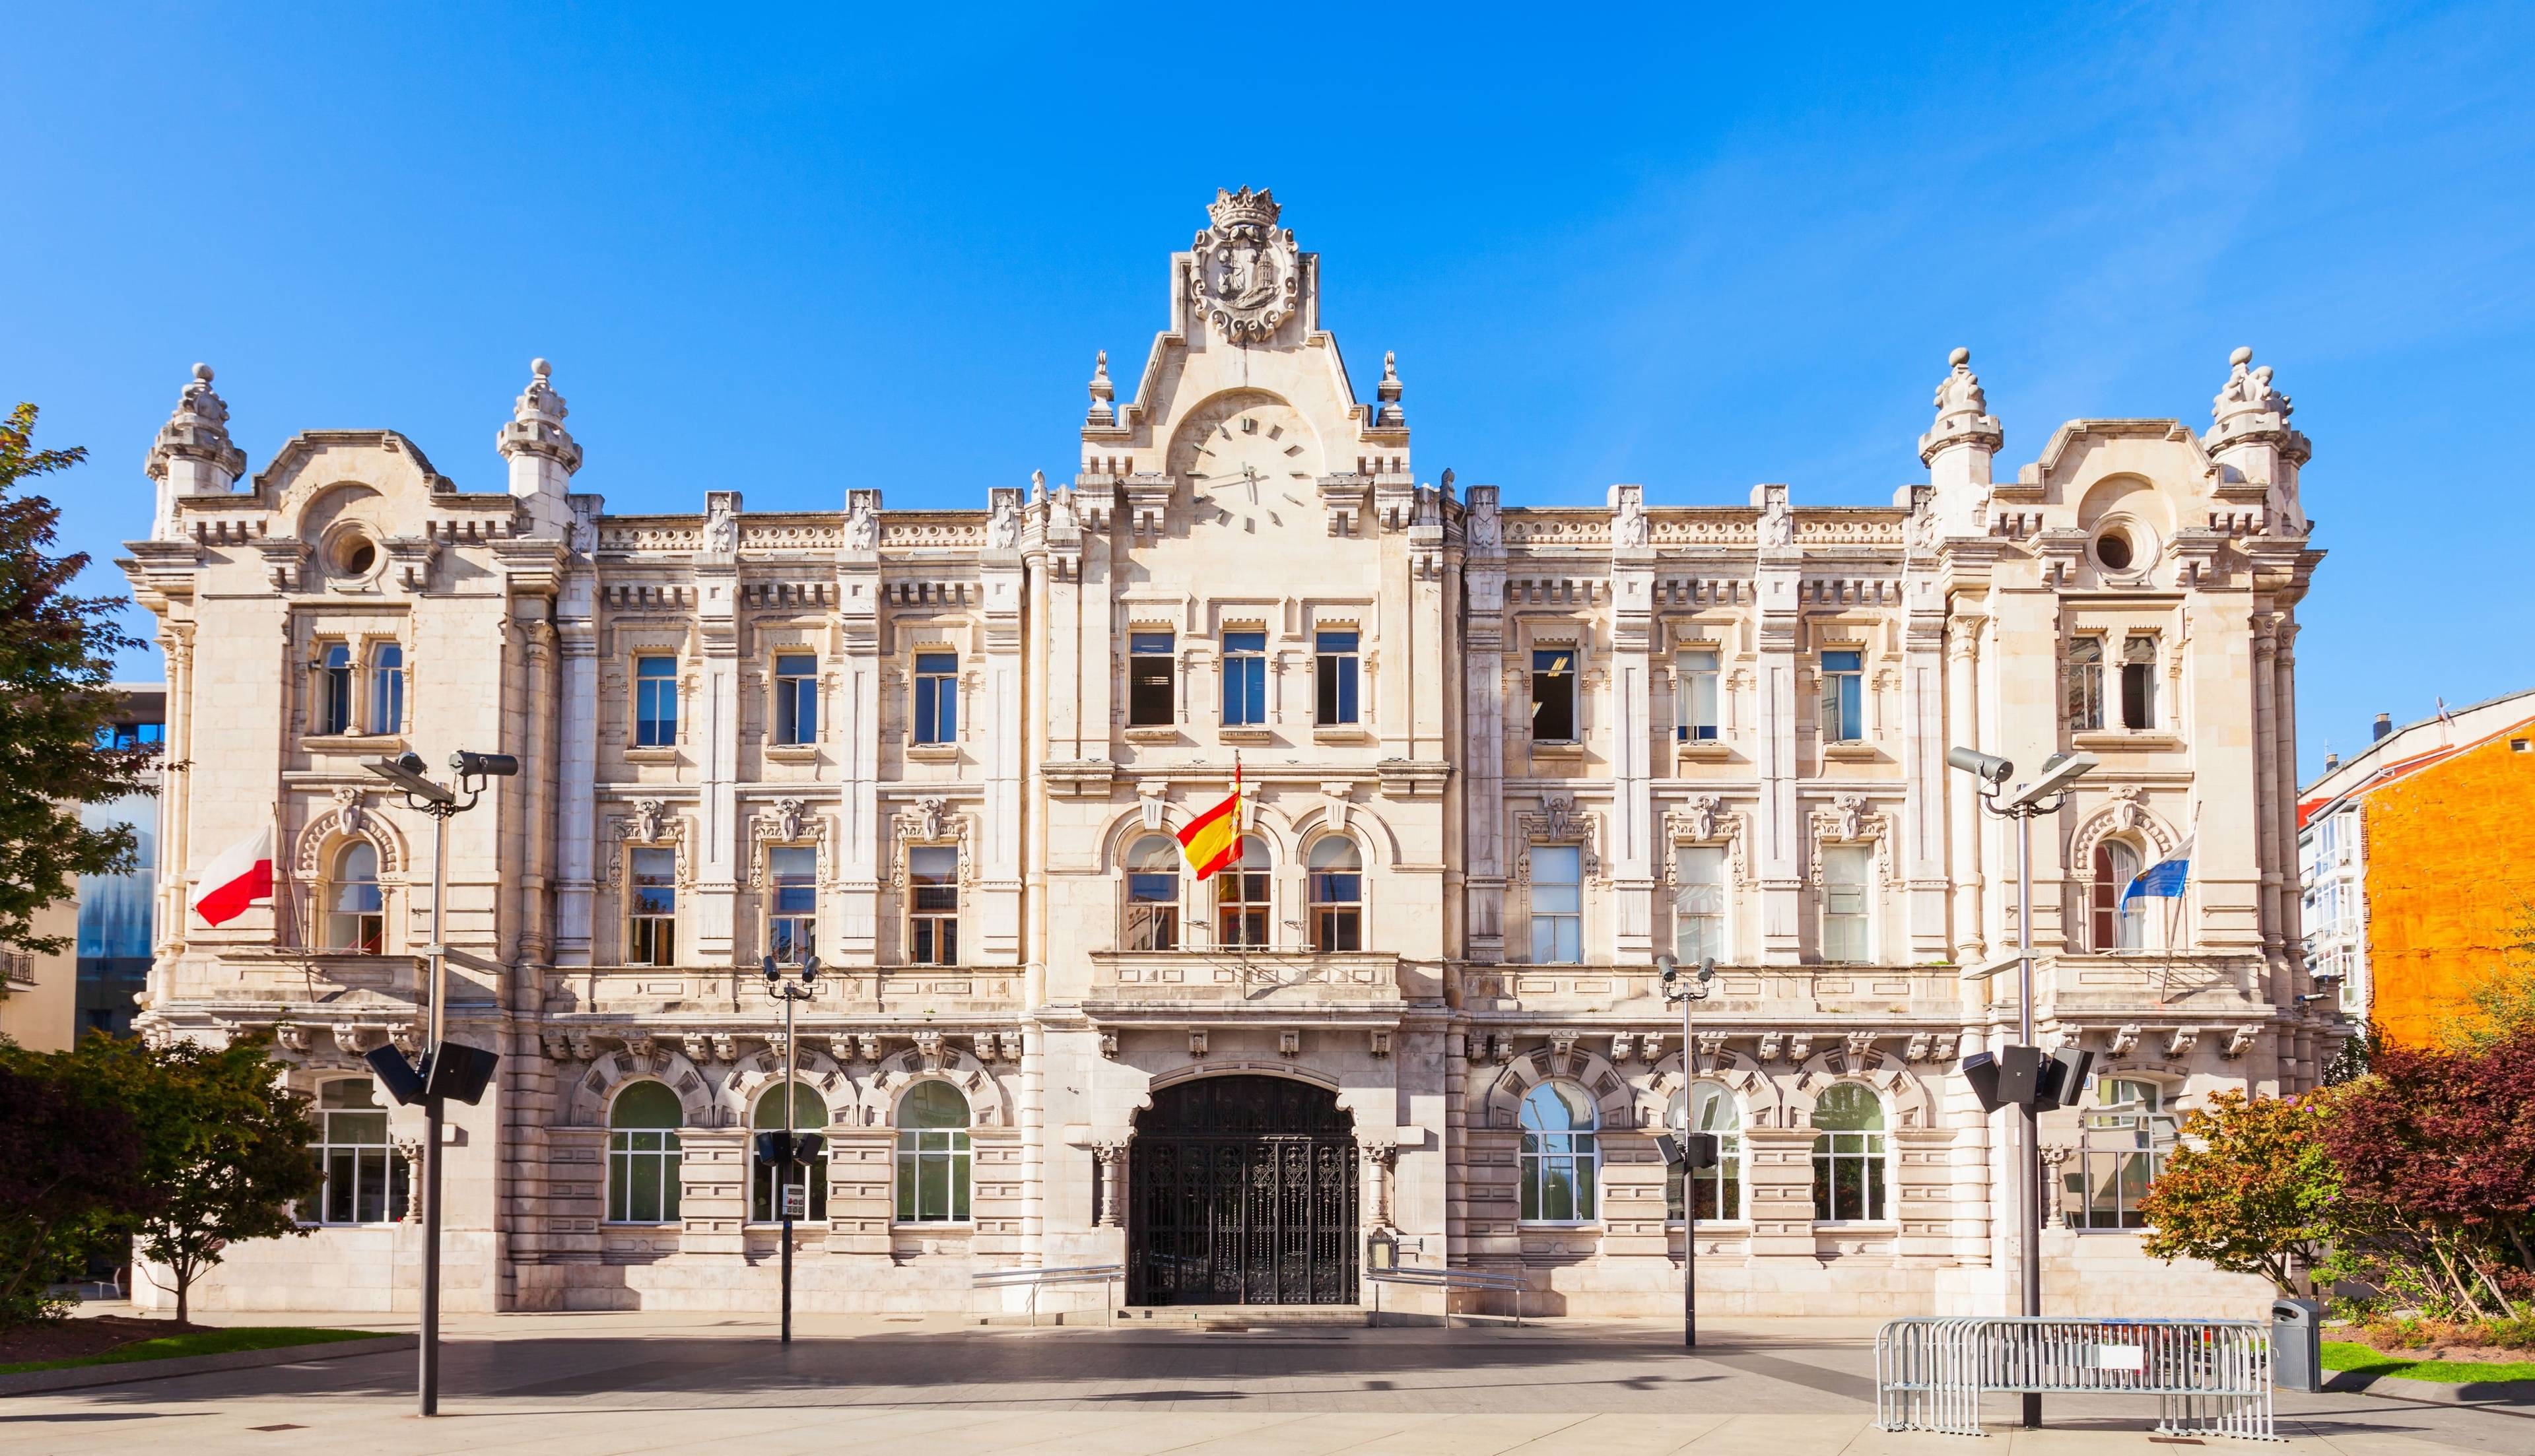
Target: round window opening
{"x": 354, "y": 556}
{"x": 2113, "y": 549}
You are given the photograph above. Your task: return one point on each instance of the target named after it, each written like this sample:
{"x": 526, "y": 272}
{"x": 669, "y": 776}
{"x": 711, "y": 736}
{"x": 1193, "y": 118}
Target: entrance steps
{"x": 1243, "y": 1316}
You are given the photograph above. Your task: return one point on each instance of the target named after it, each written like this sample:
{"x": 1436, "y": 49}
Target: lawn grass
{"x": 2367, "y": 1360}
{"x": 197, "y": 1342}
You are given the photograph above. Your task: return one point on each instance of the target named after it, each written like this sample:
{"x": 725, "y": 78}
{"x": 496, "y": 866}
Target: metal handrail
{"x": 1448, "y": 1280}
{"x": 1035, "y": 1280}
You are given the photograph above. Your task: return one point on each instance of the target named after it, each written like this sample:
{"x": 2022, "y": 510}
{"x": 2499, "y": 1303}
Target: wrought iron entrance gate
{"x": 1242, "y": 1190}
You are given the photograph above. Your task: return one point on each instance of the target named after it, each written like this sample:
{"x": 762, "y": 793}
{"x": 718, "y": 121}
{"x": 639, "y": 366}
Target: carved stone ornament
{"x": 1777, "y": 523}
{"x": 1851, "y": 819}
{"x": 1559, "y": 821}
{"x": 721, "y": 521}
{"x": 1624, "y": 1047}
{"x": 1482, "y": 528}
{"x": 2125, "y": 1041}
{"x": 652, "y": 823}
{"x": 1704, "y": 819}
{"x": 1003, "y": 526}
{"x": 1770, "y": 1043}
{"x": 1109, "y": 1044}
{"x": 2180, "y": 1041}
{"x": 862, "y": 525}
{"x": 1197, "y": 1043}
{"x": 1628, "y": 518}
{"x": 926, "y": 822}
{"x": 292, "y": 1037}
{"x": 1247, "y": 276}
{"x": 1381, "y": 1042}
{"x": 2241, "y": 1041}
{"x": 787, "y": 822}
{"x": 927, "y": 1044}
{"x": 1289, "y": 1044}
{"x": 1919, "y": 1046}
{"x": 1800, "y": 1046}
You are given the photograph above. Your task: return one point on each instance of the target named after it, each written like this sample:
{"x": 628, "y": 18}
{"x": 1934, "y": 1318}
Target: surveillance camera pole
{"x": 1689, "y": 996}
{"x": 422, "y": 796}
{"x": 2023, "y": 806}
{"x": 791, "y": 994}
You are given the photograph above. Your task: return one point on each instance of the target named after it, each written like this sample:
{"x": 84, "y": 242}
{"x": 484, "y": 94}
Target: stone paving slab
{"x": 616, "y": 1383}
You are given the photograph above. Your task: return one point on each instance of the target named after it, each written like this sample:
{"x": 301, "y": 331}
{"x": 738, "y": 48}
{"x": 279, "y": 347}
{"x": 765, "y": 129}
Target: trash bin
{"x": 2297, "y": 1345}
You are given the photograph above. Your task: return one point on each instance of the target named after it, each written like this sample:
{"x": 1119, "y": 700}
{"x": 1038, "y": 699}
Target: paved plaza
{"x": 607, "y": 1383}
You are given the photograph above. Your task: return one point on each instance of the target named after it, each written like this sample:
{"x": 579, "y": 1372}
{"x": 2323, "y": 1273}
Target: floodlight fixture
{"x": 406, "y": 772}
{"x": 2059, "y": 771}
{"x": 483, "y": 765}
{"x": 1988, "y": 768}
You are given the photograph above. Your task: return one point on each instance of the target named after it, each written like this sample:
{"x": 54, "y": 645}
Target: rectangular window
{"x": 1150, "y": 664}
{"x": 387, "y": 689}
{"x": 792, "y": 926}
{"x": 933, "y": 883}
{"x": 1245, "y": 679}
{"x": 1697, "y": 708}
{"x": 365, "y": 1174}
{"x": 1552, "y": 694}
{"x": 335, "y": 688}
{"x": 2138, "y": 683}
{"x": 1847, "y": 895}
{"x": 1334, "y": 677}
{"x": 796, "y": 699}
{"x": 937, "y": 697}
{"x": 1154, "y": 901}
{"x": 1698, "y": 908}
{"x": 653, "y": 937}
{"x": 1843, "y": 697}
{"x": 933, "y": 1175}
{"x": 2127, "y": 1137}
{"x": 2084, "y": 688}
{"x": 1241, "y": 898}
{"x": 655, "y": 701}
{"x": 1556, "y": 904}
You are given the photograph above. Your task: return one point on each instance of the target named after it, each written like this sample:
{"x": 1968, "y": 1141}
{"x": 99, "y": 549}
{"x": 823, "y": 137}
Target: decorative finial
{"x": 1103, "y": 413}
{"x": 203, "y": 371}
{"x": 2242, "y": 355}
{"x": 1390, "y": 415}
{"x": 536, "y": 429}
{"x": 1963, "y": 412}
{"x": 541, "y": 368}
{"x": 1958, "y": 358}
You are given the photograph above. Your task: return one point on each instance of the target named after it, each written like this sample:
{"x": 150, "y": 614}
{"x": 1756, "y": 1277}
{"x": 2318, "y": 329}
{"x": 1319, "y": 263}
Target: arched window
{"x": 2116, "y": 927}
{"x": 1559, "y": 1154}
{"x": 387, "y": 687}
{"x": 1242, "y": 909}
{"x": 1337, "y": 895}
{"x": 1154, "y": 893}
{"x": 2126, "y": 1139}
{"x": 1848, "y": 1154}
{"x": 1720, "y": 1188}
{"x": 365, "y": 1176}
{"x": 356, "y": 912}
{"x": 933, "y": 1155}
{"x": 642, "y": 1155}
{"x": 809, "y": 1115}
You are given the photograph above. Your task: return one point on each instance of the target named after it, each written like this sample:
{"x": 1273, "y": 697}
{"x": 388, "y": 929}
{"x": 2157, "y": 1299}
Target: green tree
{"x": 56, "y": 658}
{"x": 2250, "y": 1191}
{"x": 70, "y": 1159}
{"x": 224, "y": 1148}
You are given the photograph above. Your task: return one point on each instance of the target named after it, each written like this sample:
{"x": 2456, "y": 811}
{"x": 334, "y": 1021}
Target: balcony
{"x": 1278, "y": 984}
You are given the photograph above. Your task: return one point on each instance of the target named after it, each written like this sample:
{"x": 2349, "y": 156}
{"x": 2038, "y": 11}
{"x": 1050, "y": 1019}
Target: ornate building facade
{"x": 1497, "y": 758}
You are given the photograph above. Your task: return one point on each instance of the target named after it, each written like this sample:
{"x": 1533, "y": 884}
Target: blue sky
{"x": 792, "y": 251}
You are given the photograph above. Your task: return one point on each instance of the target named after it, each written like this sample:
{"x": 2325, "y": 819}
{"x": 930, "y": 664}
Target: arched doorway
{"x": 1242, "y": 1190}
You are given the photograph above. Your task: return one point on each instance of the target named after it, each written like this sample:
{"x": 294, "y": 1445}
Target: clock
{"x": 1247, "y": 449}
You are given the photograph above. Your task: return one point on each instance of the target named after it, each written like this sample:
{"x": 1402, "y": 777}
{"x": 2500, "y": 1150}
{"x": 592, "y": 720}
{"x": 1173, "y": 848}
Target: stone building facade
{"x": 1497, "y": 759}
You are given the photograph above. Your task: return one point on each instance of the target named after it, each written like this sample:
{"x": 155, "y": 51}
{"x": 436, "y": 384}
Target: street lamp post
{"x": 791, "y": 994}
{"x": 1688, "y": 993}
{"x": 2059, "y": 771}
{"x": 443, "y": 804}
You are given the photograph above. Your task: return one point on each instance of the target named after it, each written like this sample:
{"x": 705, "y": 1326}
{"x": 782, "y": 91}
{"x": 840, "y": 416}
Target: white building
{"x": 1500, "y": 759}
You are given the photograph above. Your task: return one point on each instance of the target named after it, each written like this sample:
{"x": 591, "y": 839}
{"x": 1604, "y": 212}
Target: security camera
{"x": 1988, "y": 768}
{"x": 483, "y": 765}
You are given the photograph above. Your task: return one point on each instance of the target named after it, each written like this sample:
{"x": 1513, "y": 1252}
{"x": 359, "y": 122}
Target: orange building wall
{"x": 2451, "y": 867}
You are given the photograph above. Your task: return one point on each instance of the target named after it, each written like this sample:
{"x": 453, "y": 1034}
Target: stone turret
{"x": 193, "y": 455}
{"x": 542, "y": 452}
{"x": 1958, "y": 448}
{"x": 2251, "y": 439}
{"x": 1390, "y": 414}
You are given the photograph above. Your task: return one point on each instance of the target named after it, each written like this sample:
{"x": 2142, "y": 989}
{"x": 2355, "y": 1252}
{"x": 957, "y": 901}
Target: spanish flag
{"x": 1213, "y": 840}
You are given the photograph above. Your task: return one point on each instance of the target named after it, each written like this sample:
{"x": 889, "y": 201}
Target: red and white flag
{"x": 240, "y": 876}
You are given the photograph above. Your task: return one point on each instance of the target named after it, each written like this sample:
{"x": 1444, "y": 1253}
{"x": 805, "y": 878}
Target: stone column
{"x": 863, "y": 713}
{"x": 1963, "y": 791}
{"x": 717, "y": 870}
{"x": 1482, "y": 776}
{"x": 576, "y": 823}
{"x": 1779, "y": 855}
{"x": 1634, "y": 875}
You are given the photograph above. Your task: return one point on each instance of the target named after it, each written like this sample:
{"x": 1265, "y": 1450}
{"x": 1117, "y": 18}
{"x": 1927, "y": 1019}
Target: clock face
{"x": 1248, "y": 453}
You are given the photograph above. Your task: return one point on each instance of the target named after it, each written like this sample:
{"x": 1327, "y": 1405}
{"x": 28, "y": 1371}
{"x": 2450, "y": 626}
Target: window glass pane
{"x": 646, "y": 1105}
{"x": 933, "y": 1104}
{"x": 1335, "y": 677}
{"x": 1150, "y": 677}
{"x": 1848, "y": 1106}
{"x": 1150, "y": 642}
{"x": 1552, "y": 694}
